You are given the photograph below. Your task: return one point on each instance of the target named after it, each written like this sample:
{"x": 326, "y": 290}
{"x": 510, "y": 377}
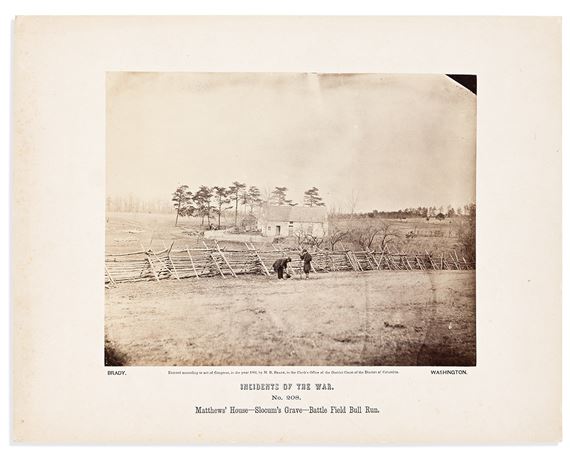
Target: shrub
{"x": 467, "y": 234}
{"x": 113, "y": 356}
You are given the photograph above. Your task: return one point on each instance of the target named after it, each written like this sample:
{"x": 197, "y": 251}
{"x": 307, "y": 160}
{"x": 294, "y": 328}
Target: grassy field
{"x": 371, "y": 318}
{"x": 126, "y": 232}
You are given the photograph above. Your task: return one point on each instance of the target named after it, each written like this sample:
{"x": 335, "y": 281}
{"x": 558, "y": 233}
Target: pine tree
{"x": 235, "y": 192}
{"x": 312, "y": 197}
{"x": 279, "y": 197}
{"x": 253, "y": 198}
{"x": 182, "y": 202}
{"x": 220, "y": 199}
{"x": 203, "y": 200}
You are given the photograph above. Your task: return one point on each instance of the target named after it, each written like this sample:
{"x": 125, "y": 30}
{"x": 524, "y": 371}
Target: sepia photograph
{"x": 261, "y": 230}
{"x": 290, "y": 219}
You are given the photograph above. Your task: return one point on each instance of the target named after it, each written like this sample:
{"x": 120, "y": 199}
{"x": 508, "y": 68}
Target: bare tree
{"x": 333, "y": 211}
{"x": 336, "y": 235}
{"x": 266, "y": 195}
{"x": 387, "y": 234}
{"x": 366, "y": 235}
{"x": 299, "y": 237}
{"x": 313, "y": 240}
{"x": 353, "y": 202}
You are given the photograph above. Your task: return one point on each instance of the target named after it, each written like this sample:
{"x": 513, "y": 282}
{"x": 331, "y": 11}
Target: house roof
{"x": 296, "y": 213}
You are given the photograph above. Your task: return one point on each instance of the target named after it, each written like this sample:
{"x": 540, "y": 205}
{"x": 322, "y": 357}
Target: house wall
{"x": 269, "y": 228}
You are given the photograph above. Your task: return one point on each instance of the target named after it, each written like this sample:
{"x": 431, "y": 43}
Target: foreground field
{"x": 370, "y": 318}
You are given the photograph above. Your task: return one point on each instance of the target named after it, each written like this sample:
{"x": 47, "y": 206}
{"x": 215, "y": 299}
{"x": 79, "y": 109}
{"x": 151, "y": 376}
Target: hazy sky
{"x": 394, "y": 141}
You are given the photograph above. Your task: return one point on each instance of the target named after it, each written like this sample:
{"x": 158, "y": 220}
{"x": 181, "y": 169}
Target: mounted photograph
{"x": 290, "y": 219}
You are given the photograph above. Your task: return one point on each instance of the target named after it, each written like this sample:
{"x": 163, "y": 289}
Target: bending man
{"x": 279, "y": 265}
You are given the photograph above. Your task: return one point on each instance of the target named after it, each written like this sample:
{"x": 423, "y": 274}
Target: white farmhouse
{"x": 283, "y": 221}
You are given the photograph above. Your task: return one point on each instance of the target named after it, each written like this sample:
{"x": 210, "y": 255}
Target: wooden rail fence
{"x": 214, "y": 260}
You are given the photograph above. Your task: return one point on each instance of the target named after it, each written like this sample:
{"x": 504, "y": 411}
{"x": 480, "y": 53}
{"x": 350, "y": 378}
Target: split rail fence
{"x": 207, "y": 261}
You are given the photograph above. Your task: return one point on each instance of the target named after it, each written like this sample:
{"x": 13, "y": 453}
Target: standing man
{"x": 279, "y": 265}
{"x": 306, "y": 258}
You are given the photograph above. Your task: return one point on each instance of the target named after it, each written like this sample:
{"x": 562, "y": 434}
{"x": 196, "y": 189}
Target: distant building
{"x": 283, "y": 221}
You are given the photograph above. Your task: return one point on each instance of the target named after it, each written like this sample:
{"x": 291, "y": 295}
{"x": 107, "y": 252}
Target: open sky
{"x": 388, "y": 141}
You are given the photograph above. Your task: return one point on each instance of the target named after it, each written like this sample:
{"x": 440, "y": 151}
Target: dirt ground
{"x": 369, "y": 318}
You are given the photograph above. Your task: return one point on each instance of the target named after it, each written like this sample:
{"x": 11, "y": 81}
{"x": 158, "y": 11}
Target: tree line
{"x": 134, "y": 204}
{"x": 210, "y": 202}
{"x": 423, "y": 211}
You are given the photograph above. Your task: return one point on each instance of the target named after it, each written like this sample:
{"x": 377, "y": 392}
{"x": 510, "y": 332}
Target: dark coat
{"x": 306, "y": 258}
{"x": 280, "y": 263}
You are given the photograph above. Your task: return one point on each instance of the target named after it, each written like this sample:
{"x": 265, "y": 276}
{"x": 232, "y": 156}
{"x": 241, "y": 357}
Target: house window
{"x": 269, "y": 228}
{"x": 290, "y": 224}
